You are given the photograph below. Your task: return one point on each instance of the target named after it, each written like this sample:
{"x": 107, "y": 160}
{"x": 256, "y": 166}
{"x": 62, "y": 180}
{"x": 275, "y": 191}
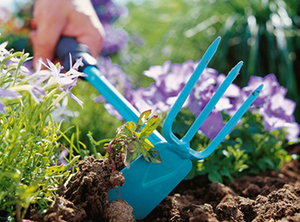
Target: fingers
{"x": 93, "y": 42}
{"x": 85, "y": 26}
{"x": 73, "y": 18}
{"x": 50, "y": 18}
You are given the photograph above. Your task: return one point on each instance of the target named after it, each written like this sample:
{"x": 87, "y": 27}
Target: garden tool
{"x": 147, "y": 184}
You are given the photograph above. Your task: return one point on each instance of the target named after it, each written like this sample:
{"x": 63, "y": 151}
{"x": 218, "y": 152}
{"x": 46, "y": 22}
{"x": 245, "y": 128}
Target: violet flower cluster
{"x": 108, "y": 12}
{"x": 276, "y": 110}
{"x": 169, "y": 79}
{"x": 15, "y": 78}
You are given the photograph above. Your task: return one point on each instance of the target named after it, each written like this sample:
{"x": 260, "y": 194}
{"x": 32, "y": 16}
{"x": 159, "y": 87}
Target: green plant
{"x": 29, "y": 147}
{"x": 93, "y": 117}
{"x": 248, "y": 149}
{"x": 131, "y": 139}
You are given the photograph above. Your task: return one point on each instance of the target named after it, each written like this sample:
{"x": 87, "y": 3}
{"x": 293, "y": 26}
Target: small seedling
{"x": 131, "y": 139}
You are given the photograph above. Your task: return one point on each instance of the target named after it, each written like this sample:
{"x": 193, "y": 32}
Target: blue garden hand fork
{"x": 147, "y": 184}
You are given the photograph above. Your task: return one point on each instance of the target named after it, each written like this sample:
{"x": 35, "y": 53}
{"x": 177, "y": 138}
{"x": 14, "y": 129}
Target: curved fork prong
{"x": 167, "y": 128}
{"x": 195, "y": 155}
{"x": 212, "y": 103}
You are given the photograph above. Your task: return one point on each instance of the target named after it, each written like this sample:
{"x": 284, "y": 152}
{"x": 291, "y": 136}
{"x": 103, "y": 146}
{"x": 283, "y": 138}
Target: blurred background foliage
{"x": 262, "y": 33}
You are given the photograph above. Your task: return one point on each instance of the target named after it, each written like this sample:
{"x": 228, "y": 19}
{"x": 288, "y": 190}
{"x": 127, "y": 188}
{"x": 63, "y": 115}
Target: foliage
{"x": 29, "y": 148}
{"x": 131, "y": 139}
{"x": 248, "y": 149}
{"x": 93, "y": 117}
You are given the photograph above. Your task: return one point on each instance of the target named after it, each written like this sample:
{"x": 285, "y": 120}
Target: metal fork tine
{"x": 211, "y": 104}
{"x": 194, "y": 155}
{"x": 167, "y": 128}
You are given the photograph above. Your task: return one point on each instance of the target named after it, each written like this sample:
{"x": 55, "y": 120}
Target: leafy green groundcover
{"x": 29, "y": 147}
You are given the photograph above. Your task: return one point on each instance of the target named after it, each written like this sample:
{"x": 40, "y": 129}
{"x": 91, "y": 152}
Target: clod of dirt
{"x": 117, "y": 211}
{"x": 203, "y": 213}
{"x": 62, "y": 210}
{"x": 117, "y": 178}
{"x": 88, "y": 188}
{"x": 235, "y": 208}
{"x": 279, "y": 204}
{"x": 216, "y": 192}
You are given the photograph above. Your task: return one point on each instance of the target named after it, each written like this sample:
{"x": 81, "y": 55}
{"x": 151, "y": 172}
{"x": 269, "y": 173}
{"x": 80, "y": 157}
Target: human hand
{"x": 73, "y": 18}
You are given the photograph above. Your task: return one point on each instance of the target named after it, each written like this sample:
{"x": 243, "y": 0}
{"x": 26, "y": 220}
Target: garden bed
{"x": 267, "y": 196}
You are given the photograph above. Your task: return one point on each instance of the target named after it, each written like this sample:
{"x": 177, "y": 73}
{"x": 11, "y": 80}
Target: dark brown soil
{"x": 270, "y": 196}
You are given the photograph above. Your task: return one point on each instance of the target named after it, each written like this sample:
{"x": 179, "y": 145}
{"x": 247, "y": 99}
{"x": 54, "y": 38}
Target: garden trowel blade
{"x": 147, "y": 184}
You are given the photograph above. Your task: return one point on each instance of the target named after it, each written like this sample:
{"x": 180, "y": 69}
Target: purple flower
{"x": 293, "y": 130}
{"x": 56, "y": 75}
{"x": 35, "y": 91}
{"x": 111, "y": 110}
{"x": 67, "y": 89}
{"x": 114, "y": 74}
{"x": 66, "y": 81}
{"x": 169, "y": 81}
{"x": 62, "y": 157}
{"x": 61, "y": 112}
{"x": 108, "y": 12}
{"x": 212, "y": 125}
{"x": 3, "y": 52}
{"x": 203, "y": 92}
{"x": 7, "y": 94}
{"x": 271, "y": 86}
{"x": 276, "y": 110}
{"x": 232, "y": 99}
{"x": 115, "y": 40}
{"x": 155, "y": 72}
{"x": 137, "y": 40}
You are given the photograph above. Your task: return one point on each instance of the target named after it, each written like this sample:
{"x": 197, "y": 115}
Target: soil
{"x": 270, "y": 196}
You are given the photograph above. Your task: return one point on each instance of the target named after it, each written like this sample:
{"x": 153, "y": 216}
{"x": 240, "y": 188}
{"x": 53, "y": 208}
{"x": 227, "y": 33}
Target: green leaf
{"x": 130, "y": 126}
{"x": 225, "y": 172}
{"x": 151, "y": 125}
{"x": 132, "y": 146}
{"x": 127, "y": 158}
{"x": 145, "y": 154}
{"x": 154, "y": 156}
{"x": 142, "y": 119}
{"x": 215, "y": 177}
{"x": 146, "y": 144}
